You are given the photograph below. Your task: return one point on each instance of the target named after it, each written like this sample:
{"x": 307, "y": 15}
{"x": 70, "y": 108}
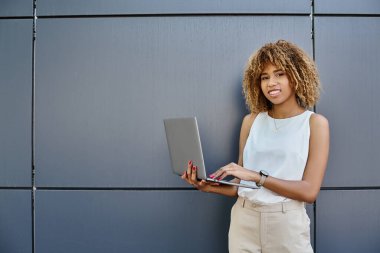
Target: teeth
{"x": 274, "y": 92}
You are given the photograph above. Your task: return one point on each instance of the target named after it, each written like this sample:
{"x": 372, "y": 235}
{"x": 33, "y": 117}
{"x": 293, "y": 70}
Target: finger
{"x": 194, "y": 174}
{"x": 218, "y": 173}
{"x": 224, "y": 174}
{"x": 221, "y": 171}
{"x": 204, "y": 182}
{"x": 215, "y": 174}
{"x": 189, "y": 165}
{"x": 201, "y": 183}
{"x": 184, "y": 175}
{"x": 226, "y": 171}
{"x": 221, "y": 177}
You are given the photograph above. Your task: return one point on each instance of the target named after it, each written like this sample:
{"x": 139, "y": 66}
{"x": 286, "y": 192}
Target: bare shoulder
{"x": 246, "y": 125}
{"x": 248, "y": 121}
{"x": 318, "y": 121}
{"x": 319, "y": 128}
{"x": 244, "y": 133}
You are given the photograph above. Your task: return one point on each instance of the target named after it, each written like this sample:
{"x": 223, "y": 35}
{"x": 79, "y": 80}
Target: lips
{"x": 274, "y": 93}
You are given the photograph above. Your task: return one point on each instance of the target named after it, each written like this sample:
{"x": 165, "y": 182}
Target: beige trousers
{"x": 276, "y": 228}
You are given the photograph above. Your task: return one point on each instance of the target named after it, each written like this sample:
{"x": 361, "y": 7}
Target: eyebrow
{"x": 277, "y": 70}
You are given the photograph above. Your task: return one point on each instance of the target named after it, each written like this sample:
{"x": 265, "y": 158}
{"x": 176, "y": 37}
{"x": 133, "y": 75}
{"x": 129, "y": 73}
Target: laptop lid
{"x": 184, "y": 144}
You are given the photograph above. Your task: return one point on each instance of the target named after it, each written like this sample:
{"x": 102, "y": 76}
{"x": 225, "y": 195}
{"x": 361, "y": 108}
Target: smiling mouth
{"x": 274, "y": 93}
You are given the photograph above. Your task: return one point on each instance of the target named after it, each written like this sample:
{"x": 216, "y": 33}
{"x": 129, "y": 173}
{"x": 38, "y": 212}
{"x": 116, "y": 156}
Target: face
{"x": 276, "y": 86}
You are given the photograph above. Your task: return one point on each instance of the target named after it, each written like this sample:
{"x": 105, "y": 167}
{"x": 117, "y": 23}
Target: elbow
{"x": 309, "y": 196}
{"x": 310, "y": 199}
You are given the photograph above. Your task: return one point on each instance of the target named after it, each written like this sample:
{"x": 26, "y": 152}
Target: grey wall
{"x": 346, "y": 51}
{"x": 106, "y": 74}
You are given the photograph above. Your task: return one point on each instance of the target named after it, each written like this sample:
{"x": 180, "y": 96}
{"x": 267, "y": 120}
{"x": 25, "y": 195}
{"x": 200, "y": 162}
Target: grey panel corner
{"x": 15, "y": 102}
{"x": 100, "y": 103}
{"x": 14, "y": 8}
{"x": 348, "y": 58}
{"x": 347, "y": 7}
{"x": 133, "y": 221}
{"x": 147, "y": 7}
{"x": 348, "y": 221}
{"x": 15, "y": 221}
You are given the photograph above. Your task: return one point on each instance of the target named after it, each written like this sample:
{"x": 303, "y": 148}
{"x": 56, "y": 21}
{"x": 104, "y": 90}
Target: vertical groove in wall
{"x": 315, "y": 110}
{"x": 33, "y": 120}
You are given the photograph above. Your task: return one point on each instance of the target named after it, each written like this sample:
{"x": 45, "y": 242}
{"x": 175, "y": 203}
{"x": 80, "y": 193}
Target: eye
{"x": 264, "y": 78}
{"x": 278, "y": 74}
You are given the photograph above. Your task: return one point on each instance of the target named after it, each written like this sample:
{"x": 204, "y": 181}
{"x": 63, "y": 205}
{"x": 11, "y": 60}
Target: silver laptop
{"x": 184, "y": 145}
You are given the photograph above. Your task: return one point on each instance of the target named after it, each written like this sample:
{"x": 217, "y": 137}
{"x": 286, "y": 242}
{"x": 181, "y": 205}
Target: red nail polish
{"x": 194, "y": 167}
{"x": 212, "y": 176}
{"x": 190, "y": 162}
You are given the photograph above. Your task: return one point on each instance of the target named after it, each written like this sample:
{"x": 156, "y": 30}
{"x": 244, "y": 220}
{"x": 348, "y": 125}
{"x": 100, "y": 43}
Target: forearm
{"x": 304, "y": 190}
{"x": 298, "y": 190}
{"x": 226, "y": 190}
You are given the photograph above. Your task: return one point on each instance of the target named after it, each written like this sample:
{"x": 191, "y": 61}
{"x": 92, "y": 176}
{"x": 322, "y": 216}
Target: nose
{"x": 272, "y": 81}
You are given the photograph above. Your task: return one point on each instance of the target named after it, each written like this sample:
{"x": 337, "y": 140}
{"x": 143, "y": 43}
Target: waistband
{"x": 271, "y": 208}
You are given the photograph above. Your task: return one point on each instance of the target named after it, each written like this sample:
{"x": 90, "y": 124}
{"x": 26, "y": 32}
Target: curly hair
{"x": 299, "y": 68}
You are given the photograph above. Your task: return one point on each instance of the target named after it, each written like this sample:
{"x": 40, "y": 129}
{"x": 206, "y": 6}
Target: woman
{"x": 283, "y": 149}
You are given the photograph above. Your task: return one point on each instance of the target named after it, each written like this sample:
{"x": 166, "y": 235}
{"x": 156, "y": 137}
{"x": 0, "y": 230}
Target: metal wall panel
{"x": 15, "y": 102}
{"x": 15, "y": 221}
{"x": 347, "y": 6}
{"x": 125, "y": 221}
{"x": 104, "y": 86}
{"x": 133, "y": 221}
{"x": 16, "y": 8}
{"x": 348, "y": 221}
{"x": 348, "y": 58}
{"x": 83, "y": 7}
{"x": 310, "y": 213}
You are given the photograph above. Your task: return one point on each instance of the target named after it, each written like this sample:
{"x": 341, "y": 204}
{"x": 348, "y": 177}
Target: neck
{"x": 282, "y": 111}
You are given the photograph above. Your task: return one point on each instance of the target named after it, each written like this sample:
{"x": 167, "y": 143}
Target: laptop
{"x": 184, "y": 144}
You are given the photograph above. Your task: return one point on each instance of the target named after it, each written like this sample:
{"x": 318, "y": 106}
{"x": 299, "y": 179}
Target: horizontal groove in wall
{"x": 16, "y": 17}
{"x": 190, "y": 15}
{"x": 350, "y": 188}
{"x": 345, "y": 15}
{"x": 15, "y": 188}
{"x": 346, "y": 188}
{"x": 171, "y": 15}
{"x": 117, "y": 188}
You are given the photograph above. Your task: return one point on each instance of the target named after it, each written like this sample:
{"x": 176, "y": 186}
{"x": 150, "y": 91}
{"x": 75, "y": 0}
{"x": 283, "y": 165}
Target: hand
{"x": 190, "y": 176}
{"x": 237, "y": 171}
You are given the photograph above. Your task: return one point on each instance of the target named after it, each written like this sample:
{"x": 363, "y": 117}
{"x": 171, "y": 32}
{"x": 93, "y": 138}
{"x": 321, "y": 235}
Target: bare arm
{"x": 306, "y": 189}
{"x": 227, "y": 190}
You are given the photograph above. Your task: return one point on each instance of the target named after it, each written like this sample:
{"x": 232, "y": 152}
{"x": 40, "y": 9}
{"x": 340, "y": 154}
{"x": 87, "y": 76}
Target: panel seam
{"x": 312, "y": 34}
{"x": 33, "y": 191}
{"x": 168, "y": 15}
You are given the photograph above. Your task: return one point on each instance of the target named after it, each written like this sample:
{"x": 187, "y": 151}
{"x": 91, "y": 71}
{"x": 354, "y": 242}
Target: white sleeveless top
{"x": 278, "y": 146}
